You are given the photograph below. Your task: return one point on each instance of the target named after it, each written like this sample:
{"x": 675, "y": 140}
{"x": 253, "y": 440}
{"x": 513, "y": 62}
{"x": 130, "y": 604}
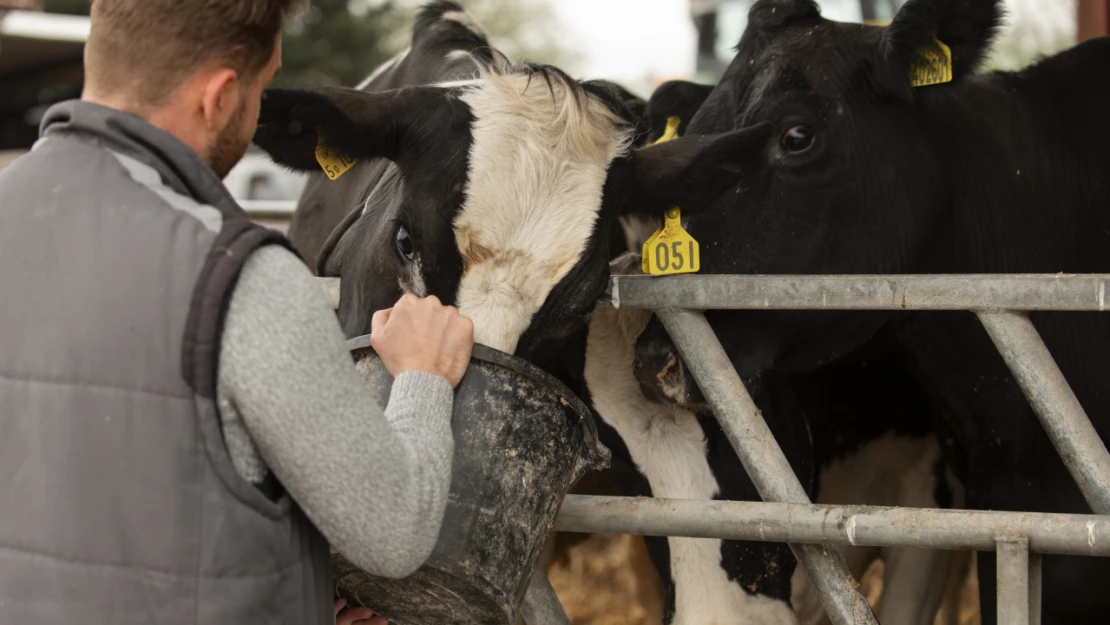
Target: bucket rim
{"x": 601, "y": 454}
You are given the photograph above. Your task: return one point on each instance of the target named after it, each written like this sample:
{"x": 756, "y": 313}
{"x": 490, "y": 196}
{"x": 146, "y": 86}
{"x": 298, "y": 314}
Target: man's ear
{"x": 358, "y": 124}
{"x": 689, "y": 172}
{"x": 221, "y": 98}
{"x": 966, "y": 27}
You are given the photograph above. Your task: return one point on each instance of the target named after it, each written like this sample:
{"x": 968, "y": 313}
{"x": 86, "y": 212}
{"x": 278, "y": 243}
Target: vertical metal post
{"x": 1013, "y": 581}
{"x": 762, "y": 458}
{"x": 1035, "y": 563}
{"x": 1075, "y": 439}
{"x": 541, "y": 605}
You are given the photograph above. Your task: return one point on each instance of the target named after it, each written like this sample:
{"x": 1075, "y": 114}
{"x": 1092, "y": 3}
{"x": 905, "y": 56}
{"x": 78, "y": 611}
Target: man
{"x": 183, "y": 432}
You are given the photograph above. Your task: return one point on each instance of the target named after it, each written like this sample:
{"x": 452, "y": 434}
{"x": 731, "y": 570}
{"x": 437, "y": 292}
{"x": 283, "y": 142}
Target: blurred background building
{"x": 639, "y": 43}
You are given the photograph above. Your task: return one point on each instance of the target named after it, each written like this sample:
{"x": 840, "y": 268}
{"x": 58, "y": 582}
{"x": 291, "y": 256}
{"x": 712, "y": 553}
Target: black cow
{"x": 497, "y": 187}
{"x": 1004, "y": 172}
{"x": 862, "y": 455}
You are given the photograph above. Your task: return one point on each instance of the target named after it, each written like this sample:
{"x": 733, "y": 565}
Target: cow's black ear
{"x": 356, "y": 124}
{"x": 625, "y": 104}
{"x": 689, "y": 172}
{"x": 675, "y": 98}
{"x": 966, "y": 27}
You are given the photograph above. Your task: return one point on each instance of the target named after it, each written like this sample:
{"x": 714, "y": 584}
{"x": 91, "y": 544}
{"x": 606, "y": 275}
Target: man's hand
{"x": 423, "y": 335}
{"x": 356, "y": 616}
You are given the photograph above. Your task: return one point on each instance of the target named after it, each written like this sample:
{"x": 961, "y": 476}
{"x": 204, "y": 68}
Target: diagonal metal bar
{"x": 1075, "y": 439}
{"x": 762, "y": 458}
{"x": 1013, "y": 581}
{"x": 541, "y": 605}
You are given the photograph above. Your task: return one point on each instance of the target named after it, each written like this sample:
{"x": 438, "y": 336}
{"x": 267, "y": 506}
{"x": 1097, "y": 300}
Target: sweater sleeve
{"x": 374, "y": 482}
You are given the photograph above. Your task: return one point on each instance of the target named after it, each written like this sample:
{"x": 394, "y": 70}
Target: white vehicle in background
{"x": 266, "y": 191}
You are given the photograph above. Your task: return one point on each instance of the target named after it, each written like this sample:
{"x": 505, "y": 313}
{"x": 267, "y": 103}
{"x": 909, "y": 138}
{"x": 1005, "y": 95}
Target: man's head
{"x": 195, "y": 68}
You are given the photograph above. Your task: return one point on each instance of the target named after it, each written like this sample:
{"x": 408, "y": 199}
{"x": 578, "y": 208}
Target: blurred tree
{"x": 72, "y": 7}
{"x": 525, "y": 30}
{"x": 339, "y": 42}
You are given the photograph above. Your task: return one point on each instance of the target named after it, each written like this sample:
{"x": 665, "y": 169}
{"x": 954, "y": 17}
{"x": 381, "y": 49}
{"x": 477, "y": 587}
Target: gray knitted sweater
{"x": 374, "y": 482}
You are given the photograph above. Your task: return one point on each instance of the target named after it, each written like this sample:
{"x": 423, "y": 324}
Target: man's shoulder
{"x": 67, "y": 171}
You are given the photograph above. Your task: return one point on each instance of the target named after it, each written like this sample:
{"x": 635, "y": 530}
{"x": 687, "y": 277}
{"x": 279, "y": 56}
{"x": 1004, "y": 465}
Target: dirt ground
{"x": 609, "y": 580}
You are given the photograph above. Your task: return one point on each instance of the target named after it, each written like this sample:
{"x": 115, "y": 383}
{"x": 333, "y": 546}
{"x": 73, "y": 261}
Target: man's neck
{"x": 170, "y": 117}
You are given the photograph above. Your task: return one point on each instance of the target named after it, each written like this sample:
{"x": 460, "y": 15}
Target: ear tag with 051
{"x": 671, "y": 249}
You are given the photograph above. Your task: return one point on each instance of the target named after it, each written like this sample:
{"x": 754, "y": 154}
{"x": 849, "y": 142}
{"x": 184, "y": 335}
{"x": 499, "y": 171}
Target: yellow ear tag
{"x": 671, "y": 250}
{"x": 333, "y": 162}
{"x": 933, "y": 66}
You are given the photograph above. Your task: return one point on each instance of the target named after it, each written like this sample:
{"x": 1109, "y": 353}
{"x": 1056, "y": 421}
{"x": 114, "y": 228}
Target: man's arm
{"x": 374, "y": 483}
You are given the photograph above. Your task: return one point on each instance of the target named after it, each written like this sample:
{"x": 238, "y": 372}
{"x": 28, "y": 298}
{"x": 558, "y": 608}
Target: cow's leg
{"x": 891, "y": 470}
{"x": 915, "y": 580}
{"x": 668, "y": 446}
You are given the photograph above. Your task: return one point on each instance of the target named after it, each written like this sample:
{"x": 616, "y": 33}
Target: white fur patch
{"x": 383, "y": 68}
{"x": 467, "y": 20}
{"x": 637, "y": 230}
{"x": 891, "y": 470}
{"x": 538, "y": 164}
{"x": 668, "y": 446}
{"x": 458, "y": 55}
{"x": 414, "y": 282}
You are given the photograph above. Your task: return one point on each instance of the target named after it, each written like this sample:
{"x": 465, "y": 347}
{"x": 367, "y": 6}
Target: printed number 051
{"x": 666, "y": 253}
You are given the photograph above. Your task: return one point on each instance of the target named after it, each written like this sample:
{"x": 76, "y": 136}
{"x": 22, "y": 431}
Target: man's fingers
{"x": 339, "y": 603}
{"x": 354, "y": 616}
{"x": 378, "y": 321}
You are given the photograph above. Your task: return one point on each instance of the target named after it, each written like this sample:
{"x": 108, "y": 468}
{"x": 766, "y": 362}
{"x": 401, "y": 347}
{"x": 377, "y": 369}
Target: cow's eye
{"x": 402, "y": 242}
{"x": 797, "y": 138}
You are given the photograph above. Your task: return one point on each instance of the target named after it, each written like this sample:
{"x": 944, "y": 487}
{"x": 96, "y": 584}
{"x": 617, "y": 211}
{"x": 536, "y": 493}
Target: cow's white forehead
{"x": 539, "y": 158}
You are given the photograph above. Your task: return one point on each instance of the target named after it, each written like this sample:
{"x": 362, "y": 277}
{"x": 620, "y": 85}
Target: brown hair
{"x": 149, "y": 47}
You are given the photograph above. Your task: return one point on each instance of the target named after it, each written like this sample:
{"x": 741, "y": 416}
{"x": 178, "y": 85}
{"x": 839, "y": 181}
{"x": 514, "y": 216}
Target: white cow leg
{"x": 668, "y": 446}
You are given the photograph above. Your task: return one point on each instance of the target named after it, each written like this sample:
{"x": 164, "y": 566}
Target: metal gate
{"x": 785, "y": 515}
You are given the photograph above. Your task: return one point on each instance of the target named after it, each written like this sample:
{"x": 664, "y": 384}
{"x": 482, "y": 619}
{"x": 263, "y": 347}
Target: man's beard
{"x": 228, "y": 148}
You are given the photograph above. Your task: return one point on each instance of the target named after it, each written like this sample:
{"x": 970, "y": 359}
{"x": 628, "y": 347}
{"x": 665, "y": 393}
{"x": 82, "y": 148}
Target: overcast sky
{"x": 637, "y": 41}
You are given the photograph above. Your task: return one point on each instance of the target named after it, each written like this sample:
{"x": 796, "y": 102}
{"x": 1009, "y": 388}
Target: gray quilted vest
{"x": 119, "y": 504}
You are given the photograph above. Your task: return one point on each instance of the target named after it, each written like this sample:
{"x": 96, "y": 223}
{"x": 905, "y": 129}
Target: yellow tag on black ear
{"x": 333, "y": 162}
{"x": 933, "y": 66}
{"x": 671, "y": 250}
{"x": 670, "y": 132}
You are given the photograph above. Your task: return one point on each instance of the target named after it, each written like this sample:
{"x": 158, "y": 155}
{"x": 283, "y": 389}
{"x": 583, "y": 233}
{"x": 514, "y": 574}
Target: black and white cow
{"x": 862, "y": 455}
{"x": 1003, "y": 172}
{"x": 497, "y": 188}
{"x": 493, "y": 187}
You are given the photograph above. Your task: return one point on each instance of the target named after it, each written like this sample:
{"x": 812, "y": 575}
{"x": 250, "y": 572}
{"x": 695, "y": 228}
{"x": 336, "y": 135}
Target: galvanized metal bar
{"x": 1036, "y": 564}
{"x": 926, "y": 528}
{"x": 863, "y": 292}
{"x": 761, "y": 456}
{"x": 541, "y": 605}
{"x": 1076, "y": 440}
{"x": 1012, "y": 565}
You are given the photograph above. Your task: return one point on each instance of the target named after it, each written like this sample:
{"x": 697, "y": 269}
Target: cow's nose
{"x": 659, "y": 370}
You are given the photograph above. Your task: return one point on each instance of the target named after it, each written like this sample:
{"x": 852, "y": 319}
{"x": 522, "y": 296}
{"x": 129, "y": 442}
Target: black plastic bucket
{"x": 522, "y": 439}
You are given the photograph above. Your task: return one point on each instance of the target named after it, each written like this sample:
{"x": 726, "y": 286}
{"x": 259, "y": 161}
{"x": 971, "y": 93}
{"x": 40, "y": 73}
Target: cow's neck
{"x": 1027, "y": 156}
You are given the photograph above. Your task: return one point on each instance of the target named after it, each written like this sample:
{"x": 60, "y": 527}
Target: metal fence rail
{"x": 999, "y": 300}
